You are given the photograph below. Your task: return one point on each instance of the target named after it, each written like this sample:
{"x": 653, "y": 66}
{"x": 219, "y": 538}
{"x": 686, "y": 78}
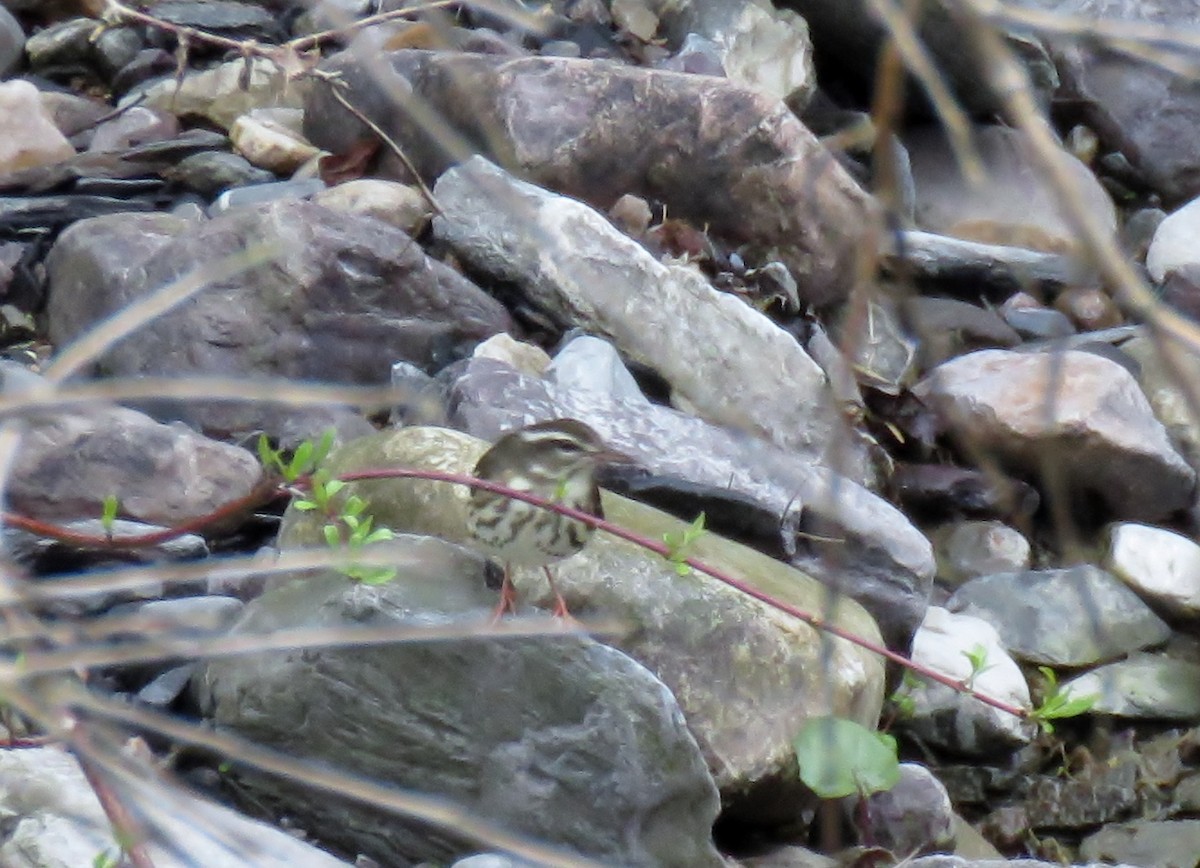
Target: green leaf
{"x": 380, "y": 534}
{"x": 299, "y": 465}
{"x": 1058, "y": 703}
{"x": 679, "y": 544}
{"x": 304, "y": 505}
{"x": 333, "y": 537}
{"x": 323, "y": 446}
{"x": 267, "y": 456}
{"x": 108, "y": 514}
{"x": 839, "y": 757}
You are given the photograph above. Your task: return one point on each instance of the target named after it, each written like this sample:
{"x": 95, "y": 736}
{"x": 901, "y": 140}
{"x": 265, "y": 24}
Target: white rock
{"x": 28, "y": 136}
{"x": 390, "y": 201}
{"x": 591, "y": 363}
{"x": 1174, "y": 242}
{"x": 942, "y": 643}
{"x": 269, "y": 144}
{"x": 526, "y": 358}
{"x": 1163, "y": 567}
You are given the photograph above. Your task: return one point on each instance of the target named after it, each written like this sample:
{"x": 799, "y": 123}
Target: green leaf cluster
{"x": 304, "y": 460}
{"x": 349, "y": 526}
{"x": 679, "y": 544}
{"x": 1058, "y": 703}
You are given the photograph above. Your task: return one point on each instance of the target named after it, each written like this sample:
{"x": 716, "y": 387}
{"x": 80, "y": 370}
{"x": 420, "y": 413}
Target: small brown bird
{"x": 557, "y": 461}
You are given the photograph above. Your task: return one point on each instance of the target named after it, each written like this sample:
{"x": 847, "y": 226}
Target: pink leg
{"x": 560, "y": 605}
{"x": 508, "y": 597}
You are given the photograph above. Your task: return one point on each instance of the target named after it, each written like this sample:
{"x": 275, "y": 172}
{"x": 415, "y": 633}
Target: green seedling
{"x": 979, "y": 665}
{"x": 108, "y": 515}
{"x": 679, "y": 544}
{"x": 306, "y": 458}
{"x": 1058, "y": 703}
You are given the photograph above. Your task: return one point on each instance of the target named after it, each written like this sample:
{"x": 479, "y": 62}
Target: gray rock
{"x": 1012, "y": 206}
{"x": 116, "y": 48}
{"x": 947, "y": 327}
{"x": 342, "y": 298}
{"x": 1083, "y": 413}
{"x": 945, "y": 260}
{"x": 1166, "y": 369}
{"x": 559, "y": 739}
{"x": 1073, "y": 617}
{"x": 969, "y": 549}
{"x": 720, "y": 651}
{"x": 64, "y": 44}
{"x": 1146, "y": 843}
{"x": 720, "y": 356}
{"x": 1038, "y": 323}
{"x": 592, "y": 364}
{"x": 1139, "y": 106}
{"x": 1171, "y": 248}
{"x": 827, "y": 524}
{"x": 12, "y": 42}
{"x": 211, "y": 172}
{"x": 1145, "y": 686}
{"x": 135, "y": 127}
{"x": 912, "y": 817}
{"x": 56, "y": 820}
{"x": 259, "y": 194}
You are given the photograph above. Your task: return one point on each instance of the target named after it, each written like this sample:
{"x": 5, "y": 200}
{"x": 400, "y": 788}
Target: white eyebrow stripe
{"x": 549, "y": 437}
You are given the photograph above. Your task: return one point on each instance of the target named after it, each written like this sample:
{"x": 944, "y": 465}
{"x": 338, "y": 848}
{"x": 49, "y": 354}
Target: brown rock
{"x": 714, "y": 152}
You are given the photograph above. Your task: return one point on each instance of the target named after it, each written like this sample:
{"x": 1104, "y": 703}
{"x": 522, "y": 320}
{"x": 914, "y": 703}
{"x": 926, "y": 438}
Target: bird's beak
{"x": 612, "y": 456}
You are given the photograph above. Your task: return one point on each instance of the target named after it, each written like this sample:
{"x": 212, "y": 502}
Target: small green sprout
{"x": 902, "y": 697}
{"x": 679, "y": 544}
{"x": 306, "y": 458}
{"x": 1058, "y": 703}
{"x": 360, "y": 534}
{"x": 108, "y": 515}
{"x": 321, "y": 490}
{"x": 979, "y": 665}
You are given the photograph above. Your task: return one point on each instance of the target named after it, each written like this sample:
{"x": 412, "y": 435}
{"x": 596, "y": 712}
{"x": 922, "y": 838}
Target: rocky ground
{"x": 927, "y": 367}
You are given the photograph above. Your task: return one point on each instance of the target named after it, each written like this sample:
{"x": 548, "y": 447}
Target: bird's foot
{"x": 508, "y": 599}
{"x": 560, "y": 611}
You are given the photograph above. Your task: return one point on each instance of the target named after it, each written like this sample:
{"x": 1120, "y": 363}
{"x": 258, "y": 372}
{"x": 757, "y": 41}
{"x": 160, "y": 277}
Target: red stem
{"x": 270, "y": 489}
{"x": 663, "y": 549}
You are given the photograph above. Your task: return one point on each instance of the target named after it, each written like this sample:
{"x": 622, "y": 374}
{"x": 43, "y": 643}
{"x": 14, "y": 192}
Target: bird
{"x": 556, "y": 460}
